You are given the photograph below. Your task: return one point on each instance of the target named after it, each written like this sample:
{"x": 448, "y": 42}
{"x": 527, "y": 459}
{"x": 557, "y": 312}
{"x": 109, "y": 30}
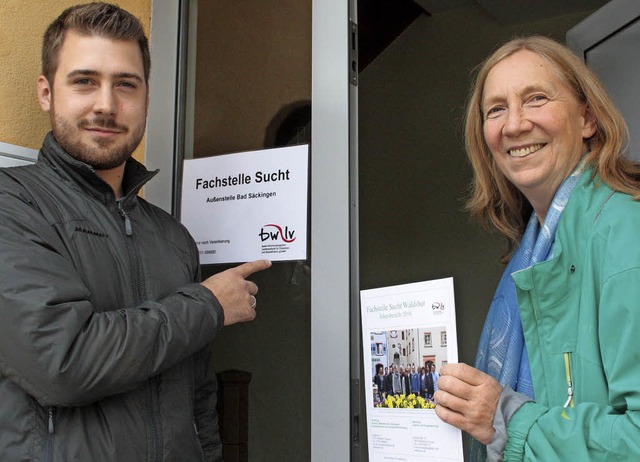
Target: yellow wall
{"x": 22, "y": 23}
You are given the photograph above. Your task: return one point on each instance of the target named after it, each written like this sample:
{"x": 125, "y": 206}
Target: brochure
{"x": 409, "y": 332}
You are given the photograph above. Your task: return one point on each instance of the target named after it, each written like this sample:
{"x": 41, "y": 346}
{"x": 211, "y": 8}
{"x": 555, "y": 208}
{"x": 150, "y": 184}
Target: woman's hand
{"x": 467, "y": 399}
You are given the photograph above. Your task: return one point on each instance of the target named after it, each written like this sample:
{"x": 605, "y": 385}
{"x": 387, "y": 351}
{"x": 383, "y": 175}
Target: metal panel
{"x": 357, "y": 414}
{"x": 161, "y": 122}
{"x": 12, "y": 155}
{"x": 608, "y": 41}
{"x": 604, "y": 22}
{"x": 330, "y": 250}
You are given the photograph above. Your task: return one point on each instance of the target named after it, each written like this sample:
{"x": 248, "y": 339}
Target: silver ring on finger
{"x": 254, "y": 302}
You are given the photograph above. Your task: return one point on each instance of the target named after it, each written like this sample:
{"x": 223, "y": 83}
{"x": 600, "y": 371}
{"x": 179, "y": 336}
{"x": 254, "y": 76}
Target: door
{"x": 298, "y": 349}
{"x": 608, "y": 41}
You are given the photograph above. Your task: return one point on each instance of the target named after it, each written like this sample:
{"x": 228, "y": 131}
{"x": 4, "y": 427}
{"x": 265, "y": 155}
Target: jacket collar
{"x": 84, "y": 177}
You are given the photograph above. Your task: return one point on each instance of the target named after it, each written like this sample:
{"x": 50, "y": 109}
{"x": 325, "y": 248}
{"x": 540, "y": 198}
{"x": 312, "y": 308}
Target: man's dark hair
{"x": 93, "y": 19}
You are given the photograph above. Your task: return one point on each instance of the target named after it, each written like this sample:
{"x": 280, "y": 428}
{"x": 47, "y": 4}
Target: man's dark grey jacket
{"x": 104, "y": 332}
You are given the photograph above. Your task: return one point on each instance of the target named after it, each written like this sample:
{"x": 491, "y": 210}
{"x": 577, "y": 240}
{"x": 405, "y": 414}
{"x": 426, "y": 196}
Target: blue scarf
{"x": 502, "y": 352}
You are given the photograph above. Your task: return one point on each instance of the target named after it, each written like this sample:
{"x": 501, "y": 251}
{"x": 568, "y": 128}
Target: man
{"x": 429, "y": 384}
{"x": 395, "y": 381}
{"x": 401, "y": 376}
{"x": 388, "y": 382}
{"x": 435, "y": 377}
{"x": 405, "y": 381}
{"x": 378, "y": 381}
{"x": 104, "y": 328}
{"x": 423, "y": 383}
{"x": 415, "y": 381}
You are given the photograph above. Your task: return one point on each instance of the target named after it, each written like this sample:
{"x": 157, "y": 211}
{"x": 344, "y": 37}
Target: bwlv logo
{"x": 285, "y": 234}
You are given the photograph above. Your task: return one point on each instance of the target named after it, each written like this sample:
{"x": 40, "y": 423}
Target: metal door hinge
{"x": 353, "y": 53}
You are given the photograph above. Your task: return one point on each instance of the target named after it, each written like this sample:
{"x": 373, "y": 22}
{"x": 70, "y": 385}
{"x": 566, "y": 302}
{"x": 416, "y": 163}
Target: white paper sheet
{"x": 248, "y": 206}
{"x": 409, "y": 325}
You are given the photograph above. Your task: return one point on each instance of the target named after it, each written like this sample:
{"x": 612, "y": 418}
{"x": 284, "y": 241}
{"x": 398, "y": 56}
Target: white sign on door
{"x": 248, "y": 206}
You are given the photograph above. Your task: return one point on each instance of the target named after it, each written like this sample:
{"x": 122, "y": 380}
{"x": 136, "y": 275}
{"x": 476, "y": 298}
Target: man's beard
{"x": 100, "y": 157}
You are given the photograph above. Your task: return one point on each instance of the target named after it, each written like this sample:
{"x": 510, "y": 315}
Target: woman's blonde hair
{"x": 494, "y": 198}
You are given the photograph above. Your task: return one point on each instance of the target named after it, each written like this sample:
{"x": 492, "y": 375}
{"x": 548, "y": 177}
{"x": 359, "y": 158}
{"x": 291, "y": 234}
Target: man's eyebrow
{"x": 128, "y": 75}
{"x": 77, "y": 72}
{"x": 91, "y": 72}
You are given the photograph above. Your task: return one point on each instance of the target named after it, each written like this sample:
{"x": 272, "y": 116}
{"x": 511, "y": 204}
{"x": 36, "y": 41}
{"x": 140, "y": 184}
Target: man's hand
{"x": 467, "y": 399}
{"x": 235, "y": 293}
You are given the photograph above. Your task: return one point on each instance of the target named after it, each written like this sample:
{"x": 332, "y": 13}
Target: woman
{"x": 557, "y": 373}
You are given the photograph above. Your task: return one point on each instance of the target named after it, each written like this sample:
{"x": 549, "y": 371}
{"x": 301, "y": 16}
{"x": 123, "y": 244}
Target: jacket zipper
{"x": 139, "y": 297}
{"x": 155, "y": 440}
{"x": 133, "y": 254}
{"x": 127, "y": 222}
{"x": 567, "y": 368}
{"x": 48, "y": 448}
